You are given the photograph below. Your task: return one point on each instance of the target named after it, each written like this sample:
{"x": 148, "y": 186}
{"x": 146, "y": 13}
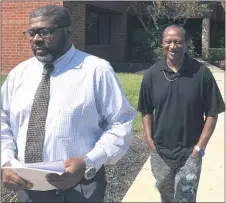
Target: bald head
{"x": 176, "y": 27}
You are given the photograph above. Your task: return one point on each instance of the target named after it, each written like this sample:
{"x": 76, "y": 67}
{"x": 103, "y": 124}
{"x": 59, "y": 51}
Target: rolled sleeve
{"x": 6, "y": 155}
{"x": 118, "y": 114}
{"x": 8, "y": 147}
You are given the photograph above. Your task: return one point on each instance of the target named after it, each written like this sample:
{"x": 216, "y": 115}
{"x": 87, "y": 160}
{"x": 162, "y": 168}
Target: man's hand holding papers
{"x": 75, "y": 168}
{"x": 19, "y": 176}
{"x": 12, "y": 181}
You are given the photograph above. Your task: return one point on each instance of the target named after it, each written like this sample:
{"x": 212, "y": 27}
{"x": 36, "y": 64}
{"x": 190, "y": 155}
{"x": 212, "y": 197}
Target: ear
{"x": 68, "y": 31}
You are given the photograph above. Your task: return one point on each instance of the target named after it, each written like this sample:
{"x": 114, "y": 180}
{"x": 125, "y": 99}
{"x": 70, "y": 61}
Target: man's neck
{"x": 175, "y": 65}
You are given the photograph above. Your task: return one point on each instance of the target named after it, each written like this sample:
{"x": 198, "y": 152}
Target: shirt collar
{"x": 185, "y": 66}
{"x": 62, "y": 61}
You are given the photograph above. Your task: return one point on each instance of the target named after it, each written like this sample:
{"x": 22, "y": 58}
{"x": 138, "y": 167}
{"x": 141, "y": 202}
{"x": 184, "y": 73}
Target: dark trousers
{"x": 87, "y": 191}
{"x": 176, "y": 185}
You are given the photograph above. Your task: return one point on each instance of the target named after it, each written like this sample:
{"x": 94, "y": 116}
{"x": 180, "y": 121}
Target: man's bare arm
{"x": 208, "y": 129}
{"x": 147, "y": 124}
{"x": 210, "y": 124}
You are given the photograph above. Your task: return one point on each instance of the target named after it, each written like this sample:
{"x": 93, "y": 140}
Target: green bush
{"x": 214, "y": 54}
{"x": 146, "y": 46}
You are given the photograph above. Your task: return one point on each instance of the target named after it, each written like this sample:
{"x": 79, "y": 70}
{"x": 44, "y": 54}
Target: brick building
{"x": 106, "y": 38}
{"x": 101, "y": 28}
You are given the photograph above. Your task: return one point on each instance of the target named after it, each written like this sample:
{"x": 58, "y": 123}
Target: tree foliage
{"x": 155, "y": 16}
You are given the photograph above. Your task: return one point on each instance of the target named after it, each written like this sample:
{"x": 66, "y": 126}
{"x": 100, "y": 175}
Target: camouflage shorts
{"x": 176, "y": 185}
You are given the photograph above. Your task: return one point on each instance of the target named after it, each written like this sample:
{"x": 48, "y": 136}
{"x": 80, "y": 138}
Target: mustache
{"x": 39, "y": 48}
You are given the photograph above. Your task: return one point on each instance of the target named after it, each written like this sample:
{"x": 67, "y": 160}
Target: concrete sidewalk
{"x": 211, "y": 186}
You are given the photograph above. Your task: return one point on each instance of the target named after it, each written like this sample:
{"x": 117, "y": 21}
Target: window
{"x": 98, "y": 27}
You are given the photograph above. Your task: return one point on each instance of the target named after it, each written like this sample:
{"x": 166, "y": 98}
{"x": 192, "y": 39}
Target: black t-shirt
{"x": 179, "y": 106}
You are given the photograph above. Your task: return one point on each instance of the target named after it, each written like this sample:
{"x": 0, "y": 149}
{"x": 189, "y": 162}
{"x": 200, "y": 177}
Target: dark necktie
{"x": 37, "y": 121}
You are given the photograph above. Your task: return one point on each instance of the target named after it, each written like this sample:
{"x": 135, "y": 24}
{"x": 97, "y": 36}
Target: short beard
{"x": 45, "y": 59}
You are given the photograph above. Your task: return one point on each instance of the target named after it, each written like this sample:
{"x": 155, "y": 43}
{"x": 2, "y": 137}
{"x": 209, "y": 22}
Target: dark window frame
{"x": 99, "y": 12}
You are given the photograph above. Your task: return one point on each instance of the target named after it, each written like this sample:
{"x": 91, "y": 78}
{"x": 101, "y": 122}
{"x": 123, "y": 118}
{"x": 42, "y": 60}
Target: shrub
{"x": 216, "y": 54}
{"x": 219, "y": 64}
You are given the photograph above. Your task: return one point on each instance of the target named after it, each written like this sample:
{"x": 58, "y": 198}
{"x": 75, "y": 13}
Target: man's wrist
{"x": 198, "y": 147}
{"x": 6, "y": 157}
{"x": 201, "y": 151}
{"x": 7, "y": 164}
{"x": 97, "y": 157}
{"x": 88, "y": 162}
{"x": 90, "y": 170}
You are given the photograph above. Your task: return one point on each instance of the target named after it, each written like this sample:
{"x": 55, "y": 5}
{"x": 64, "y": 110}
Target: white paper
{"x": 36, "y": 172}
{"x": 36, "y": 176}
{"x": 15, "y": 163}
{"x": 52, "y": 166}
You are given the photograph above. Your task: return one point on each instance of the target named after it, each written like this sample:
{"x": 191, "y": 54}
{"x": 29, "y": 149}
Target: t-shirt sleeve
{"x": 213, "y": 101}
{"x": 145, "y": 103}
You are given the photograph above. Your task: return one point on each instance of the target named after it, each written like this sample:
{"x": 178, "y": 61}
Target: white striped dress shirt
{"x": 88, "y": 112}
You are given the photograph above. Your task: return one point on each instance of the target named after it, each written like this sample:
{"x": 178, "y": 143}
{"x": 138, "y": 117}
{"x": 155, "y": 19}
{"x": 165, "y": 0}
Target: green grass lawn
{"x": 3, "y": 77}
{"x": 131, "y": 85}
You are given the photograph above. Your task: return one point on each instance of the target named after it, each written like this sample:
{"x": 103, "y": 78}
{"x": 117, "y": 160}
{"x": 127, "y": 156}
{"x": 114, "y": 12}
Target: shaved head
{"x": 178, "y": 27}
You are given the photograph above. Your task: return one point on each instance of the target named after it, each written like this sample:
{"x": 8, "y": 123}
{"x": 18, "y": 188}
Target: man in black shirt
{"x": 180, "y": 102}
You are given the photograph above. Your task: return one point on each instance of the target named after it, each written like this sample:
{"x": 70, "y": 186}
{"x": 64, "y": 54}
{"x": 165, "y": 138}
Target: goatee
{"x": 45, "y": 59}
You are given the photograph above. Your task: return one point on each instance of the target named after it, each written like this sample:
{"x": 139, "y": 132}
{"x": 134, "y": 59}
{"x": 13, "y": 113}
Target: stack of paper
{"x": 36, "y": 173}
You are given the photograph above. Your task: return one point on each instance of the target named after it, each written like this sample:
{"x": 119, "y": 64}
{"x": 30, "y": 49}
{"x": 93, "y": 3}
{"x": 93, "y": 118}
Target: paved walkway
{"x": 211, "y": 187}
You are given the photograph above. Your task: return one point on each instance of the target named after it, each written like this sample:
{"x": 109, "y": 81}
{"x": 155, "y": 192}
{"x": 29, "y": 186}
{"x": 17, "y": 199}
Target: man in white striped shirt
{"x": 89, "y": 120}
